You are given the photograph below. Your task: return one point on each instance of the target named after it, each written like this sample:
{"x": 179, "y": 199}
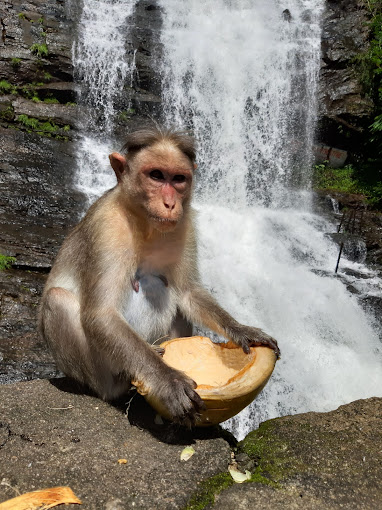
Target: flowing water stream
{"x": 243, "y": 75}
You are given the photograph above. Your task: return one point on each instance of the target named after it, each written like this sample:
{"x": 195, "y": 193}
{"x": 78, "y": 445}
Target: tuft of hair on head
{"x": 148, "y": 136}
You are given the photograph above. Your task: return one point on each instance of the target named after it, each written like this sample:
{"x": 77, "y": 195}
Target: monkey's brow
{"x": 174, "y": 170}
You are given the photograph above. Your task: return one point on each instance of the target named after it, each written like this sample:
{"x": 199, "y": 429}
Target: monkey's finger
{"x": 195, "y": 399}
{"x": 158, "y": 350}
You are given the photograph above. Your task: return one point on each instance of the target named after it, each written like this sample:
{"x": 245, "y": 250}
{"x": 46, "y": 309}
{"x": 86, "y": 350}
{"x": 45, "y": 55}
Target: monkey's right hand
{"x": 176, "y": 393}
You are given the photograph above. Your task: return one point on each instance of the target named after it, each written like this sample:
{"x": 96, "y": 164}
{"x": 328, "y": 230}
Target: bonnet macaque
{"x": 127, "y": 275}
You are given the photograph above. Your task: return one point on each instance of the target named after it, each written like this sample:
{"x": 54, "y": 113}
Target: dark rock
{"x": 320, "y": 461}
{"x": 52, "y": 437}
{"x": 58, "y": 113}
{"x": 287, "y": 15}
{"x": 335, "y": 157}
{"x": 35, "y": 214}
{"x": 23, "y": 355}
{"x": 343, "y": 104}
{"x": 24, "y": 28}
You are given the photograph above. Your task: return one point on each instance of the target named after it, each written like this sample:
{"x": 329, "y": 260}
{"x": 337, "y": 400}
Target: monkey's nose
{"x": 169, "y": 197}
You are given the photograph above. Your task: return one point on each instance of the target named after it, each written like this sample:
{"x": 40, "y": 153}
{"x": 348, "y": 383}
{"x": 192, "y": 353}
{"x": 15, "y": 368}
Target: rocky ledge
{"x": 53, "y": 435}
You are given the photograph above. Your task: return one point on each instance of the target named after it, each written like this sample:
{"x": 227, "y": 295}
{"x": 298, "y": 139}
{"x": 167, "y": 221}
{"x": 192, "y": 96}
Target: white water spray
{"x": 103, "y": 66}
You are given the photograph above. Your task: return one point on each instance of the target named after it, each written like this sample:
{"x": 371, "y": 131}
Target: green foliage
{"x": 47, "y": 76}
{"x": 349, "y": 180}
{"x": 7, "y": 88}
{"x": 6, "y": 262}
{"x": 335, "y": 179}
{"x": 29, "y": 122}
{"x": 46, "y": 128}
{"x": 51, "y": 100}
{"x": 125, "y": 115}
{"x": 7, "y": 114}
{"x": 41, "y": 50}
{"x": 208, "y": 489}
{"x": 369, "y": 66}
{"x": 21, "y": 15}
{"x": 15, "y": 62}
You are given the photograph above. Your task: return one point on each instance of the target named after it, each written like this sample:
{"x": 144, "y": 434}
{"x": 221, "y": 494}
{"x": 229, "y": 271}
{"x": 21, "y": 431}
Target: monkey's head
{"x": 156, "y": 182}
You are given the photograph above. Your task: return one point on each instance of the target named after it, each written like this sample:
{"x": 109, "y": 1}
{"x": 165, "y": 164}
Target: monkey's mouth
{"x": 166, "y": 221}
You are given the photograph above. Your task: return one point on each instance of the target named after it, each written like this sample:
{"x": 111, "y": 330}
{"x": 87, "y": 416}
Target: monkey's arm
{"x": 112, "y": 339}
{"x": 199, "y": 306}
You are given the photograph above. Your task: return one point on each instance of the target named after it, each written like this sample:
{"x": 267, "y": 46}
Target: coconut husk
{"x": 41, "y": 499}
{"x": 227, "y": 378}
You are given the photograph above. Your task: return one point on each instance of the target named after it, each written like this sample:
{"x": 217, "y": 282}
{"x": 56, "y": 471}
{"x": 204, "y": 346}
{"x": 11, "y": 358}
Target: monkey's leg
{"x": 74, "y": 355}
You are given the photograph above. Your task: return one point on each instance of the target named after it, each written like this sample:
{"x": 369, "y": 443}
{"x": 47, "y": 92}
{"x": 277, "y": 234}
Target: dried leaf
{"x": 42, "y": 499}
{"x": 238, "y": 476}
{"x": 122, "y": 461}
{"x": 187, "y": 453}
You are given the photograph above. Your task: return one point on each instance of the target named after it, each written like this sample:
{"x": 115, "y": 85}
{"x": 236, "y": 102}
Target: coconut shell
{"x": 227, "y": 378}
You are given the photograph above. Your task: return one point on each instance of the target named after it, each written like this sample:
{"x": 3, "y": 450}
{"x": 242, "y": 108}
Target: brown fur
{"x": 137, "y": 242}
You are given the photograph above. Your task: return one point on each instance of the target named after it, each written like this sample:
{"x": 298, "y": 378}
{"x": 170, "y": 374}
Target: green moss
{"x": 348, "y": 180}
{"x": 41, "y": 50}
{"x": 47, "y": 76}
{"x": 51, "y": 100}
{"x": 6, "y": 262}
{"x": 7, "y": 114}
{"x": 125, "y": 115}
{"x": 207, "y": 491}
{"x": 15, "y": 62}
{"x": 49, "y": 127}
{"x": 21, "y": 15}
{"x": 7, "y": 88}
{"x": 271, "y": 455}
{"x": 335, "y": 179}
{"x": 46, "y": 128}
{"x": 29, "y": 122}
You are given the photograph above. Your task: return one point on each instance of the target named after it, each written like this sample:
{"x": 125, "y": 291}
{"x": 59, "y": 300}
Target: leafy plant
{"x": 348, "y": 180}
{"x": 7, "y": 88}
{"x": 29, "y": 122}
{"x": 41, "y": 50}
{"x": 6, "y": 262}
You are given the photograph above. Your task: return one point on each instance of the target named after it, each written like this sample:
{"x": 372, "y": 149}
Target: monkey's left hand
{"x": 246, "y": 337}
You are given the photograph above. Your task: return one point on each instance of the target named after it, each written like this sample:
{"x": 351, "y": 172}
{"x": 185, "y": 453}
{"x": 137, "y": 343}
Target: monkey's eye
{"x": 179, "y": 178}
{"x": 156, "y": 175}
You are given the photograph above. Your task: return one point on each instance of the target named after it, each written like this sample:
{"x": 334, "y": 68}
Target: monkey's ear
{"x": 119, "y": 164}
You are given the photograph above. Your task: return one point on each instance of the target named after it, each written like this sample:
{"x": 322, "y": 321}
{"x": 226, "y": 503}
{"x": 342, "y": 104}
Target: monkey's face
{"x": 160, "y": 184}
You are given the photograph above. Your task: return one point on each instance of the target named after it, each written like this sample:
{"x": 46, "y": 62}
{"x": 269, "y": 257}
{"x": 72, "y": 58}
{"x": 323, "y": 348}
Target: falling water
{"x": 103, "y": 66}
{"x": 243, "y": 75}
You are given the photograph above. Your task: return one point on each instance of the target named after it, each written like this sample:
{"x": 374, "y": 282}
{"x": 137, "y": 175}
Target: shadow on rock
{"x": 141, "y": 415}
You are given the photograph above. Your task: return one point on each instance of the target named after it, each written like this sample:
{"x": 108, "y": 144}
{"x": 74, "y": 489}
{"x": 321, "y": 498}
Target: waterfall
{"x": 103, "y": 65}
{"x": 243, "y": 75}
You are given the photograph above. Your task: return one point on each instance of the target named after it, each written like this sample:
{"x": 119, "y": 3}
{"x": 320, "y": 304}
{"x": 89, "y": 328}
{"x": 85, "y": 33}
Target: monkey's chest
{"x": 150, "y": 306}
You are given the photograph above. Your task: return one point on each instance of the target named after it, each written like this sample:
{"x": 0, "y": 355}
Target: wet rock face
{"x": 345, "y": 35}
{"x": 344, "y": 108}
{"x": 36, "y": 22}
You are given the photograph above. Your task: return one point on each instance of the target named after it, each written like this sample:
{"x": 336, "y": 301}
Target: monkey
{"x": 127, "y": 275}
